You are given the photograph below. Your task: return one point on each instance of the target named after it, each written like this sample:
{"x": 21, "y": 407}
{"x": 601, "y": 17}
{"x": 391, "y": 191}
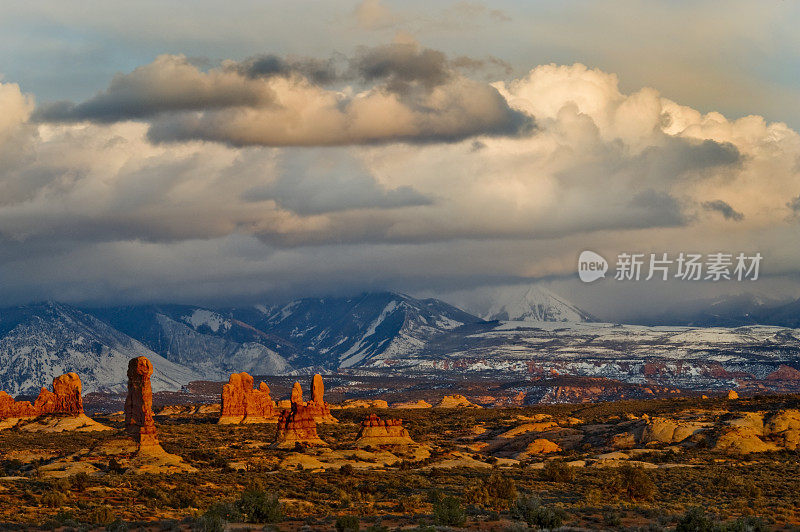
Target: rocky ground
{"x": 624, "y": 464}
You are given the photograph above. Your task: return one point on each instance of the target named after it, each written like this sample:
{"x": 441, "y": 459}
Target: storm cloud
{"x": 262, "y": 178}
{"x": 414, "y": 95}
{"x": 728, "y": 212}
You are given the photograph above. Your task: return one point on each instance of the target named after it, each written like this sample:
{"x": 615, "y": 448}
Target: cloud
{"x": 168, "y": 84}
{"x": 728, "y": 212}
{"x": 313, "y": 181}
{"x": 331, "y": 183}
{"x": 374, "y": 15}
{"x": 794, "y": 206}
{"x": 270, "y": 101}
{"x": 319, "y": 71}
{"x": 402, "y": 65}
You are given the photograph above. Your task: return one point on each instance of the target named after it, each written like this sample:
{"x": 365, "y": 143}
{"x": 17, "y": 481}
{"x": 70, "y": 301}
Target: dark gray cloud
{"x": 653, "y": 208}
{"x": 412, "y": 94}
{"x": 403, "y": 66}
{"x": 794, "y": 205}
{"x": 681, "y": 157}
{"x": 320, "y": 71}
{"x": 728, "y": 212}
{"x": 169, "y": 84}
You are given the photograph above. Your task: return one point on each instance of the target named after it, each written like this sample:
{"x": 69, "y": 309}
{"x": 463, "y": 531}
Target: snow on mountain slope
{"x": 688, "y": 357}
{"x": 213, "y": 344}
{"x": 346, "y": 332}
{"x": 532, "y": 303}
{"x": 40, "y": 342}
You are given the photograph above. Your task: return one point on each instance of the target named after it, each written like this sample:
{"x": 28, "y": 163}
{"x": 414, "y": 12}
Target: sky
{"x": 215, "y": 153}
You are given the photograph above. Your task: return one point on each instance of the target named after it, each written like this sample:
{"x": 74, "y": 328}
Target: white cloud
{"x": 81, "y": 202}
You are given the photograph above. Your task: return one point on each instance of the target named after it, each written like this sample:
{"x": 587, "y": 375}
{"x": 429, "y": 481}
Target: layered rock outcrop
{"x": 53, "y": 411}
{"x": 140, "y": 451}
{"x": 297, "y": 425}
{"x": 65, "y": 399}
{"x": 456, "y": 401}
{"x": 376, "y": 432}
{"x": 319, "y": 409}
{"x": 753, "y": 432}
{"x": 411, "y": 405}
{"x": 241, "y": 403}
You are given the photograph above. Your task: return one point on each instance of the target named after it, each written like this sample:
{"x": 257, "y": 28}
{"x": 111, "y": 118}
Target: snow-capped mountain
{"x": 532, "y": 303}
{"x": 212, "y": 344}
{"x": 346, "y": 332}
{"x": 39, "y": 342}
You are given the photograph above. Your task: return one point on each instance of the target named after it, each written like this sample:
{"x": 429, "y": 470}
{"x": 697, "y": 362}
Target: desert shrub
{"x": 54, "y": 499}
{"x": 497, "y": 492}
{"x": 695, "y": 520}
{"x": 531, "y": 510}
{"x": 258, "y": 506}
{"x": 448, "y": 512}
{"x": 557, "y": 471}
{"x": 633, "y": 483}
{"x": 409, "y": 503}
{"x": 347, "y": 470}
{"x": 612, "y": 518}
{"x": 10, "y": 467}
{"x": 377, "y": 527}
{"x": 102, "y": 515}
{"x": 347, "y": 523}
{"x": 747, "y": 524}
{"x": 218, "y": 516}
{"x": 118, "y": 525}
{"x": 79, "y": 482}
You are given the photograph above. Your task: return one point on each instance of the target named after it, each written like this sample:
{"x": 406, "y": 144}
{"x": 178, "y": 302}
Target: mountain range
{"x": 525, "y": 332}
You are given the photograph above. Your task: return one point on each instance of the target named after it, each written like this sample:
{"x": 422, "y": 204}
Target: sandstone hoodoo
{"x": 319, "y": 409}
{"x": 241, "y": 403}
{"x": 65, "y": 399}
{"x": 147, "y": 455}
{"x": 376, "y": 432}
{"x": 59, "y": 410}
{"x": 139, "y": 423}
{"x": 297, "y": 425}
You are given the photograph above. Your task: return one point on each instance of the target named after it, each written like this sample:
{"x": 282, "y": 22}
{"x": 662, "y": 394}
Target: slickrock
{"x": 785, "y": 427}
{"x": 539, "y": 446}
{"x": 412, "y": 404}
{"x": 297, "y": 426}
{"x": 624, "y": 440}
{"x": 663, "y": 430}
{"x": 376, "y": 432}
{"x": 742, "y": 440}
{"x": 456, "y": 401}
{"x": 56, "y": 411}
{"x": 540, "y": 426}
{"x": 361, "y": 403}
{"x": 317, "y": 406}
{"x": 243, "y": 404}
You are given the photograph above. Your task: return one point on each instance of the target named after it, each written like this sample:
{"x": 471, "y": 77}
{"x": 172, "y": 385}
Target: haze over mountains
{"x": 524, "y": 332}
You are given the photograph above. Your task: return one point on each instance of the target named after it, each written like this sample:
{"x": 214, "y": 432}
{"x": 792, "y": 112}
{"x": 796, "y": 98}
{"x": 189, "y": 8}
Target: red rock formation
{"x": 319, "y": 409}
{"x": 376, "y": 432}
{"x": 317, "y": 389}
{"x": 139, "y": 423}
{"x": 65, "y": 399}
{"x": 242, "y": 404}
{"x": 297, "y": 394}
{"x": 9, "y": 408}
{"x": 298, "y": 424}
